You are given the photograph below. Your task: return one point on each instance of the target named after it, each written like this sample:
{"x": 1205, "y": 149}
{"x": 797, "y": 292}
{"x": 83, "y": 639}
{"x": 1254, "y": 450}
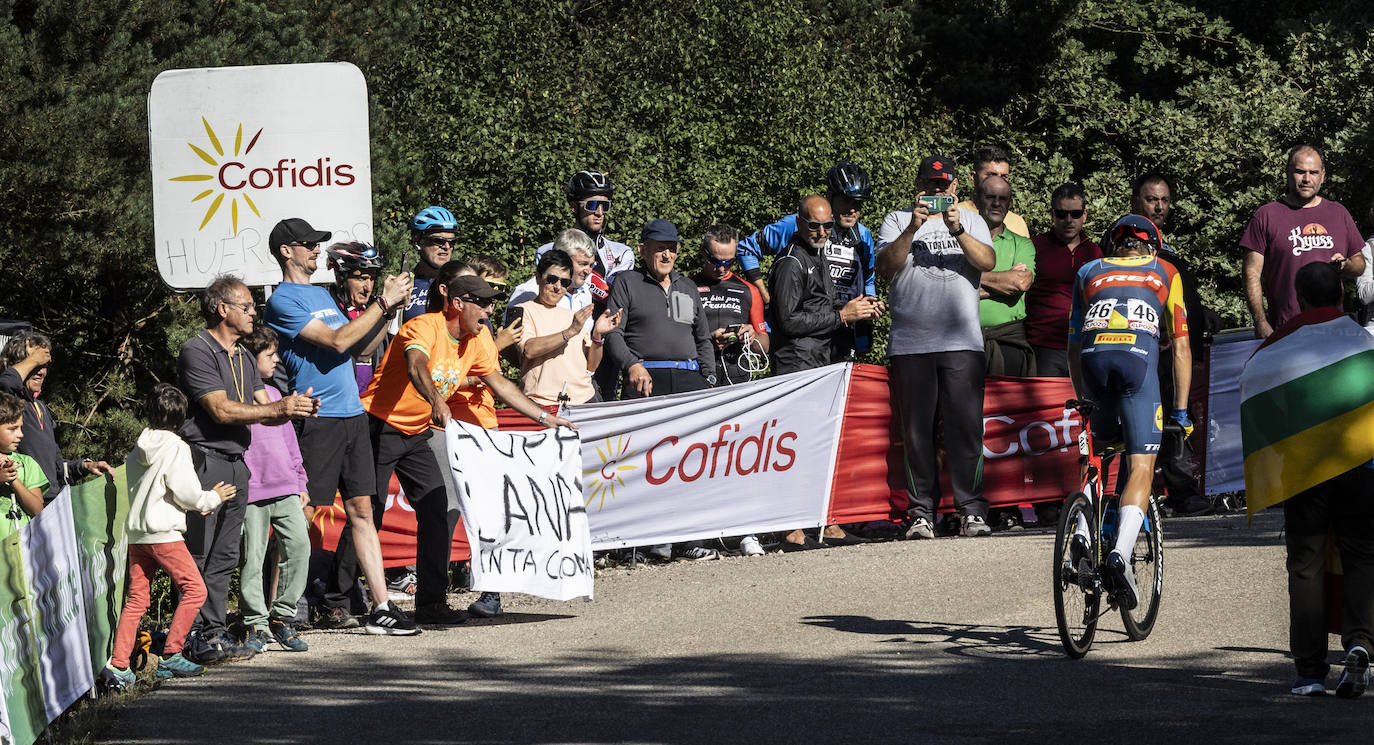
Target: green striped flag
{"x": 1307, "y": 410}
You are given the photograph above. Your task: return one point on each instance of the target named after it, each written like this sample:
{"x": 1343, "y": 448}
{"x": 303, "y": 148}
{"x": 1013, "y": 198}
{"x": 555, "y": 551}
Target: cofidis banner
{"x": 748, "y": 458}
{"x": 233, "y": 150}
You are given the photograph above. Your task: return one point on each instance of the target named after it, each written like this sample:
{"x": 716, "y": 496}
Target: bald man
{"x": 811, "y": 328}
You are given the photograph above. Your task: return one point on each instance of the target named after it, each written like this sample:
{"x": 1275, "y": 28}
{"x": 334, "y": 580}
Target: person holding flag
{"x": 1307, "y": 431}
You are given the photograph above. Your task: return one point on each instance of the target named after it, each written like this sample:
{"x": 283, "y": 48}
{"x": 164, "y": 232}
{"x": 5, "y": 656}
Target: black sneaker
{"x": 1355, "y": 676}
{"x": 201, "y": 650}
{"x": 388, "y": 620}
{"x": 336, "y": 618}
{"x": 1123, "y": 581}
{"x": 232, "y": 649}
{"x": 439, "y": 614}
{"x": 488, "y": 605}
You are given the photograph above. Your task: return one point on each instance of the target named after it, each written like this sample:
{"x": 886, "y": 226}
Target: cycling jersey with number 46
{"x": 1126, "y": 301}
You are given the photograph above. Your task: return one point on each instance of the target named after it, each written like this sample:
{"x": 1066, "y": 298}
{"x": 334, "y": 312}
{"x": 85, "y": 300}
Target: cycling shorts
{"x": 1125, "y": 387}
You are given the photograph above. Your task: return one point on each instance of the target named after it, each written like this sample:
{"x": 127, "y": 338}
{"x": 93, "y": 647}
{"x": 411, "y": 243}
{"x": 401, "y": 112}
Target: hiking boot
{"x": 699, "y": 553}
{"x": 232, "y": 649}
{"x": 974, "y": 526}
{"x": 177, "y": 666}
{"x": 388, "y": 620}
{"x": 115, "y": 679}
{"x": 1123, "y": 581}
{"x": 336, "y": 618}
{"x": 1355, "y": 676}
{"x": 257, "y": 639}
{"x": 750, "y": 546}
{"x": 285, "y": 634}
{"x": 488, "y": 605}
{"x": 202, "y": 650}
{"x": 439, "y": 614}
{"x": 920, "y": 528}
{"x": 1308, "y": 687}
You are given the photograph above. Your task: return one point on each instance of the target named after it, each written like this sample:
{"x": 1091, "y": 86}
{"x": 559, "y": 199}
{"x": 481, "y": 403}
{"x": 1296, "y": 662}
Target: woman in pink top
{"x": 559, "y": 350}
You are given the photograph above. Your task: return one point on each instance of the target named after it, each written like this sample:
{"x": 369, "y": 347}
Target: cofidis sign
{"x": 235, "y": 149}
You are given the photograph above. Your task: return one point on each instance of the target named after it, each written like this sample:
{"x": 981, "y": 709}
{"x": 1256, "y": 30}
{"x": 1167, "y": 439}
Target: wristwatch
{"x": 543, "y": 416}
{"x": 711, "y": 379}
{"x": 957, "y": 233}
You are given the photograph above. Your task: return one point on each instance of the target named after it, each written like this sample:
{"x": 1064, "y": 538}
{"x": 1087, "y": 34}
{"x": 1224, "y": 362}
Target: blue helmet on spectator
{"x": 433, "y": 219}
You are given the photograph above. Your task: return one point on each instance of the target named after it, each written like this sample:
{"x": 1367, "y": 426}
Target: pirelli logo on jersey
{"x": 1114, "y": 339}
{"x": 1148, "y": 280}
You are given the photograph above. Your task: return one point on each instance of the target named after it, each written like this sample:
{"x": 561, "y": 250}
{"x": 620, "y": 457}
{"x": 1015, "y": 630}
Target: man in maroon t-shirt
{"x": 1290, "y": 232}
{"x": 1058, "y": 255}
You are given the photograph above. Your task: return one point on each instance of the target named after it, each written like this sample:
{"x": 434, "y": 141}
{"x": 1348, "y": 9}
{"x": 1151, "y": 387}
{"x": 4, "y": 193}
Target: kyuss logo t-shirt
{"x": 1290, "y": 238}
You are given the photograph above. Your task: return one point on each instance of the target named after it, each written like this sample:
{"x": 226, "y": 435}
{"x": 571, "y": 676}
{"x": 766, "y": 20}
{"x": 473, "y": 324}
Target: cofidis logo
{"x": 240, "y": 175}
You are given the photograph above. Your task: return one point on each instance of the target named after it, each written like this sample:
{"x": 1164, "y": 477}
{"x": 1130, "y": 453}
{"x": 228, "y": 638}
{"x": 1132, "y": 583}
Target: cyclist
{"x": 849, "y": 255}
{"x": 433, "y": 231}
{"x": 1127, "y": 309}
{"x": 356, "y": 265}
{"x": 589, "y": 196}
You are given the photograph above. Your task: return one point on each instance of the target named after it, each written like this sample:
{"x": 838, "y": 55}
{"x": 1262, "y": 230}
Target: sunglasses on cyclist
{"x": 721, "y": 263}
{"x": 595, "y": 205}
{"x": 430, "y": 240}
{"x": 1068, "y": 214}
{"x": 814, "y": 226}
{"x": 550, "y": 279}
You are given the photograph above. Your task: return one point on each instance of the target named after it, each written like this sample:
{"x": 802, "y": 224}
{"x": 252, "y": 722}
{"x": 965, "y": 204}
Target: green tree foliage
{"x": 701, "y": 111}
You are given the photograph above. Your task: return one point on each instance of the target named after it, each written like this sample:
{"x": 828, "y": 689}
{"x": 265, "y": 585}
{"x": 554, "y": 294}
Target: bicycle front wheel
{"x": 1077, "y": 595}
{"x": 1147, "y": 561}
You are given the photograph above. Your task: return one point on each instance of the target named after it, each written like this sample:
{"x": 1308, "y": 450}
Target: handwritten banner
{"x": 521, "y": 498}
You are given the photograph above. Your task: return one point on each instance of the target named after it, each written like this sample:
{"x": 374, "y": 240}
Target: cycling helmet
{"x": 432, "y": 219}
{"x": 1134, "y": 228}
{"x": 848, "y": 179}
{"x": 585, "y": 184}
{"x": 353, "y": 256}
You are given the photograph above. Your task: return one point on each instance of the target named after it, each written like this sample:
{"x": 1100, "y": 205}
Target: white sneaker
{"x": 920, "y": 528}
{"x": 750, "y": 546}
{"x": 973, "y": 526}
{"x": 699, "y": 553}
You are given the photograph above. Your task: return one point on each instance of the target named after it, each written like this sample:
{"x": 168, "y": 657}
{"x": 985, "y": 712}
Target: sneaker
{"x": 920, "y": 528}
{"x": 1123, "y": 581}
{"x": 439, "y": 614}
{"x": 285, "y": 634}
{"x": 336, "y": 618}
{"x": 405, "y": 582}
{"x": 750, "y": 546}
{"x": 660, "y": 553}
{"x": 1007, "y": 520}
{"x": 231, "y": 648}
{"x": 388, "y": 620}
{"x": 488, "y": 605}
{"x": 202, "y": 650}
{"x": 177, "y": 666}
{"x": 699, "y": 553}
{"x": 1309, "y": 687}
{"x": 257, "y": 639}
{"x": 115, "y": 679}
{"x": 1355, "y": 677}
{"x": 973, "y": 526}
{"x": 1193, "y": 505}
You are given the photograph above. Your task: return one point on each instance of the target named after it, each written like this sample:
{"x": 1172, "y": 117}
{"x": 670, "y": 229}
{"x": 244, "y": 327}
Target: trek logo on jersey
{"x": 1309, "y": 237}
{"x": 1148, "y": 280}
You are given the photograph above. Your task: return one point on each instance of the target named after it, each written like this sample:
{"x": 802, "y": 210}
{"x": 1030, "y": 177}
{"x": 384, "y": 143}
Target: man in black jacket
{"x": 810, "y": 328}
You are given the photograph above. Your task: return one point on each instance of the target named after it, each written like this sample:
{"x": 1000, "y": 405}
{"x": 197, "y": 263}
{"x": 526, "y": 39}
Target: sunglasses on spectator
{"x": 595, "y": 205}
{"x": 721, "y": 263}
{"x": 480, "y": 302}
{"x": 1068, "y": 214}
{"x": 814, "y": 226}
{"x": 434, "y": 241}
{"x": 550, "y": 279}
{"x": 307, "y": 245}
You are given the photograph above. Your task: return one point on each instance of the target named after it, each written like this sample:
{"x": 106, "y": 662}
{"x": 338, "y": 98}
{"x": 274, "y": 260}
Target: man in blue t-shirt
{"x": 316, "y": 341}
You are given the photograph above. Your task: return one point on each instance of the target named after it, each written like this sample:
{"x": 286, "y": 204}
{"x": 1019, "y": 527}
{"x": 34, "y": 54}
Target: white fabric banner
{"x": 521, "y": 498}
{"x": 54, "y": 572}
{"x": 1225, "y": 459}
{"x": 742, "y": 459}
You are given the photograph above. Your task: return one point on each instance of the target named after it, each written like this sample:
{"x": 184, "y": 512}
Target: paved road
{"x": 946, "y": 641}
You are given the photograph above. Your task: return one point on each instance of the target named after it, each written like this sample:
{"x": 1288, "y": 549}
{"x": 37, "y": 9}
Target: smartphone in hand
{"x": 936, "y": 203}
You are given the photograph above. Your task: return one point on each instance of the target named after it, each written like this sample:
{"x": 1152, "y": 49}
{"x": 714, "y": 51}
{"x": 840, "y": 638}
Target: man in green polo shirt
{"x": 1002, "y": 306}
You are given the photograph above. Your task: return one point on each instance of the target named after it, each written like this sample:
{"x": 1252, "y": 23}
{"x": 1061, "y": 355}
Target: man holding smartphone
{"x": 734, "y": 308}
{"x": 934, "y": 254}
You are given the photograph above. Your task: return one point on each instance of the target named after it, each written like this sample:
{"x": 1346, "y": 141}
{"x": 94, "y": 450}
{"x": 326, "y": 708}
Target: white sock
{"x": 1129, "y": 520}
{"x": 1082, "y": 527}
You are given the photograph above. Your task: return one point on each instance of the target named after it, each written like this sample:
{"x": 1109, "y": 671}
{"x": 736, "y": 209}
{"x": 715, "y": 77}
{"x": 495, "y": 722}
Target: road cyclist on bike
{"x": 1127, "y": 311}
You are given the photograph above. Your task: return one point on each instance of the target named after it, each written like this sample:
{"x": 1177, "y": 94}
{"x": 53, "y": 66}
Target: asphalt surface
{"x": 944, "y": 641}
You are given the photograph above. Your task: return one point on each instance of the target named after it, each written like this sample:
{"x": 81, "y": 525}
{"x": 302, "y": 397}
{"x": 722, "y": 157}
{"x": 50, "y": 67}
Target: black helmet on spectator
{"x": 848, "y": 179}
{"x": 585, "y": 184}
{"x": 354, "y": 256}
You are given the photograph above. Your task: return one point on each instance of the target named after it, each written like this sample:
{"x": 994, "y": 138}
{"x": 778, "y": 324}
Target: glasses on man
{"x": 595, "y": 205}
{"x": 551, "y": 279}
{"x": 815, "y": 226}
{"x": 721, "y": 263}
{"x": 1068, "y": 214}
{"x": 245, "y": 308}
{"x": 435, "y": 241}
{"x": 485, "y": 302}
{"x": 307, "y": 245}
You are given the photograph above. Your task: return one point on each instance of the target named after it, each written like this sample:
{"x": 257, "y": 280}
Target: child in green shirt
{"x": 21, "y": 479}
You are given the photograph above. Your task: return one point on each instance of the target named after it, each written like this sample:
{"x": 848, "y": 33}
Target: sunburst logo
{"x": 219, "y": 173}
{"x": 613, "y": 456}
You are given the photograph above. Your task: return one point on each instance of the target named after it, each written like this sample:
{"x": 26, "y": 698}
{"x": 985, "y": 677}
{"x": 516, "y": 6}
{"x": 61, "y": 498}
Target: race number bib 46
{"x": 1099, "y": 315}
{"x": 1141, "y": 316}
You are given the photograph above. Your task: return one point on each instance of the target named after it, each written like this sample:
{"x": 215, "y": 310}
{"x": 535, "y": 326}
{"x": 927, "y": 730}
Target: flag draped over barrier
{"x": 1307, "y": 410}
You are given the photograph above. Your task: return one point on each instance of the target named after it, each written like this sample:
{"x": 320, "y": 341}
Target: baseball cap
{"x": 936, "y": 166}
{"x": 470, "y": 285}
{"x": 659, "y": 230}
{"x": 295, "y": 230}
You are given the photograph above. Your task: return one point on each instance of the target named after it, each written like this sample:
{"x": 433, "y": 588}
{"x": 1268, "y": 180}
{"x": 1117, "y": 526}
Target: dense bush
{"x": 701, "y": 111}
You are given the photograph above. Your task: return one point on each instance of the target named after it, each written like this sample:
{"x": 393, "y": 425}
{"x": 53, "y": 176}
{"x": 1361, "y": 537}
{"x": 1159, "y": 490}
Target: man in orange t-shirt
{"x": 408, "y": 404}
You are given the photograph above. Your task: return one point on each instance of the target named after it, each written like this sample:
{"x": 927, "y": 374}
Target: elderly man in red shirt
{"x": 1058, "y": 256}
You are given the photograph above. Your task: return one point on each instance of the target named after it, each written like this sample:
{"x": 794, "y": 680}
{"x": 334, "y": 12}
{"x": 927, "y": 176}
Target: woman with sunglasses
{"x": 559, "y": 350}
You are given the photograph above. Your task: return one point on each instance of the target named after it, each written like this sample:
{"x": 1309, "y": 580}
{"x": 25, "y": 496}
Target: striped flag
{"x": 1307, "y": 409}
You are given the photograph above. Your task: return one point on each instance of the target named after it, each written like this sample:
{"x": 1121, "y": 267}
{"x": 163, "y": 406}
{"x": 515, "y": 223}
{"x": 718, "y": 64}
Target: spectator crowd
{"x": 328, "y": 392}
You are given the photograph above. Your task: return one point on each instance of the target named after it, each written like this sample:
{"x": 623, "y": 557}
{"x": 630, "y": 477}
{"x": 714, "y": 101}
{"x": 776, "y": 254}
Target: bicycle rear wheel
{"x": 1077, "y": 594}
{"x": 1147, "y": 561}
